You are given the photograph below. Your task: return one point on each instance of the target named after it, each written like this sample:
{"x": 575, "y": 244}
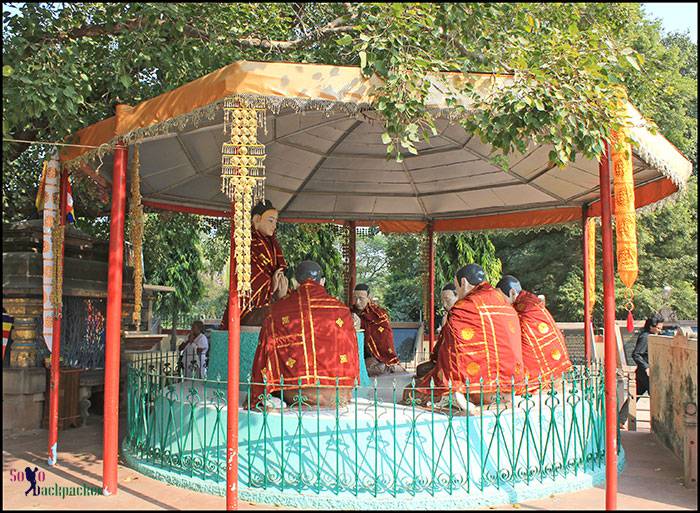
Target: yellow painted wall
{"x": 673, "y": 379}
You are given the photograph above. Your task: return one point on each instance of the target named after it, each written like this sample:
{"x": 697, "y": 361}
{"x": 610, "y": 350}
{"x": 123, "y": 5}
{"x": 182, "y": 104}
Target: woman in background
{"x": 640, "y": 355}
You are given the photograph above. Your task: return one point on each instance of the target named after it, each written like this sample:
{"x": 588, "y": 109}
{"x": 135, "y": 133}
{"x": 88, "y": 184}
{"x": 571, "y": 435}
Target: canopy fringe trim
{"x": 275, "y": 104}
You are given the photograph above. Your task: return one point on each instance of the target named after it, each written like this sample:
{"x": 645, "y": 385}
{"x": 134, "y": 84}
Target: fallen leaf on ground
{"x": 657, "y": 469}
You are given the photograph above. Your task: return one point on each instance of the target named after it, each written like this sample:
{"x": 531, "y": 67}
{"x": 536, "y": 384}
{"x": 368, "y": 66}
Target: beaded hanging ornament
{"x": 243, "y": 176}
{"x": 345, "y": 249}
{"x": 425, "y": 276}
{"x": 136, "y": 229}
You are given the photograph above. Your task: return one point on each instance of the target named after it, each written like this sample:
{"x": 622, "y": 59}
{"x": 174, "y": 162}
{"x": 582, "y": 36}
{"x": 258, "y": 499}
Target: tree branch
{"x": 255, "y": 42}
{"x": 336, "y": 26}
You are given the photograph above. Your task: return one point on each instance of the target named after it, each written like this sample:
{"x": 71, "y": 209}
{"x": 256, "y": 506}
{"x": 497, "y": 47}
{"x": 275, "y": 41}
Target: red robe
{"x": 480, "y": 340}
{"x": 544, "y": 346}
{"x": 379, "y": 337}
{"x": 265, "y": 258}
{"x": 309, "y": 335}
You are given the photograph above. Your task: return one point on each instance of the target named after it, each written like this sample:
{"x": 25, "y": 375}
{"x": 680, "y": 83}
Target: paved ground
{"x": 651, "y": 480}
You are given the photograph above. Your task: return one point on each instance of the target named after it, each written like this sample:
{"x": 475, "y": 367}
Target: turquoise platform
{"x": 218, "y": 354}
{"x": 369, "y": 454}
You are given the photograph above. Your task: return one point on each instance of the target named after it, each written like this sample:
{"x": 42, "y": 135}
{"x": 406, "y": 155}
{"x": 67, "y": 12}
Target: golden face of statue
{"x": 267, "y": 222}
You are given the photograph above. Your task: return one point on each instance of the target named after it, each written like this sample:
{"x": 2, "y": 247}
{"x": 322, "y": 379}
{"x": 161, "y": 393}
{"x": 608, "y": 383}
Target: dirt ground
{"x": 650, "y": 481}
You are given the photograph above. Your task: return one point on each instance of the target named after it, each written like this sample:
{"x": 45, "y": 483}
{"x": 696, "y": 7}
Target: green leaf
{"x": 125, "y": 80}
{"x": 363, "y": 59}
{"x": 7, "y": 70}
{"x": 386, "y": 138}
{"x": 345, "y": 40}
{"x": 633, "y": 62}
{"x": 573, "y": 29}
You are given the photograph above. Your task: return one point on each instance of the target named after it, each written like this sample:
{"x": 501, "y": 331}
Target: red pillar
{"x": 431, "y": 285}
{"x": 56, "y": 338}
{"x": 586, "y": 299}
{"x": 352, "y": 260}
{"x": 234, "y": 340}
{"x": 113, "y": 323}
{"x": 610, "y": 343}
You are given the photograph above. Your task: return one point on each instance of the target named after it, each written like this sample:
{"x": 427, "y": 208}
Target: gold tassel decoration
{"x": 425, "y": 276}
{"x": 136, "y": 234}
{"x": 243, "y": 176}
{"x": 625, "y": 217}
{"x": 590, "y": 262}
{"x": 57, "y": 240}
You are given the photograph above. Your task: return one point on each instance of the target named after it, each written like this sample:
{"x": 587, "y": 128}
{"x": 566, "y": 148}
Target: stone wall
{"x": 673, "y": 380}
{"x": 23, "y": 398}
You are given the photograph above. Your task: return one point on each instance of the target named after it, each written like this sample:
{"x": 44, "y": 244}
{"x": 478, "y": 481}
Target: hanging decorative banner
{"x": 590, "y": 261}
{"x": 625, "y": 217}
{"x": 243, "y": 175}
{"x": 49, "y": 204}
{"x": 136, "y": 234}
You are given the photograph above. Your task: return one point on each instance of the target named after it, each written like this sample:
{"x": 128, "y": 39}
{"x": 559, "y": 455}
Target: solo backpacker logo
{"x": 34, "y": 476}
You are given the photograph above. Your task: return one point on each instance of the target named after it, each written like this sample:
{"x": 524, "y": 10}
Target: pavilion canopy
{"x": 326, "y": 161}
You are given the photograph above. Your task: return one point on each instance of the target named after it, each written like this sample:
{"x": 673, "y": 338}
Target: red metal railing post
{"x": 610, "y": 342}
{"x": 352, "y": 260}
{"x": 586, "y": 298}
{"x": 113, "y": 322}
{"x": 431, "y": 285}
{"x": 56, "y": 337}
{"x": 234, "y": 339}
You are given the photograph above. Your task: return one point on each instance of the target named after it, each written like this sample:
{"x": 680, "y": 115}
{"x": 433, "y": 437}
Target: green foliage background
{"x": 66, "y": 65}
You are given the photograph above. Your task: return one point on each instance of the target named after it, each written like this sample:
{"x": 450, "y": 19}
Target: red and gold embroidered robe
{"x": 480, "y": 340}
{"x": 265, "y": 258}
{"x": 544, "y": 346}
{"x": 379, "y": 337}
{"x": 309, "y": 335}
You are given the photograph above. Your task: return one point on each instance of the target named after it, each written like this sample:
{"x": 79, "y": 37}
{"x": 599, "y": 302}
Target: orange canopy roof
{"x": 326, "y": 161}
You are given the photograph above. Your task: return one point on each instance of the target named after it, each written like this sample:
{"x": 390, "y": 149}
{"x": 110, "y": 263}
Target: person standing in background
{"x": 640, "y": 355}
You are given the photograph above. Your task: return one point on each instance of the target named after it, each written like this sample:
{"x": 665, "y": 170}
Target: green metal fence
{"x": 367, "y": 440}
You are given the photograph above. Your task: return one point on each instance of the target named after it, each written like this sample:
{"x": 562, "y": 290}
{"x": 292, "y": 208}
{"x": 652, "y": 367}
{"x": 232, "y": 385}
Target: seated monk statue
{"x": 380, "y": 353}
{"x": 544, "y": 345}
{"x": 448, "y": 297}
{"x": 267, "y": 266}
{"x": 307, "y": 336}
{"x": 481, "y": 340}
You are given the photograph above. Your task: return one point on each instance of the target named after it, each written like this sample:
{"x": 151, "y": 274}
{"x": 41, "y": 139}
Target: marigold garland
{"x": 242, "y": 177}
{"x": 136, "y": 234}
